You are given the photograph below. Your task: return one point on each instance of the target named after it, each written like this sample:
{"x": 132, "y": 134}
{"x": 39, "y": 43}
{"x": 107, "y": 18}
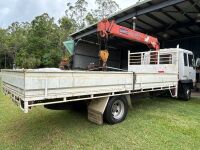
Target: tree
{"x": 17, "y": 38}
{"x": 66, "y": 28}
{"x": 27, "y": 60}
{"x": 3, "y": 39}
{"x": 66, "y": 24}
{"x": 81, "y": 17}
{"x": 40, "y": 43}
{"x": 90, "y": 19}
{"x": 3, "y": 48}
{"x": 42, "y": 49}
{"x": 104, "y": 8}
{"x": 12, "y": 40}
{"x": 77, "y": 13}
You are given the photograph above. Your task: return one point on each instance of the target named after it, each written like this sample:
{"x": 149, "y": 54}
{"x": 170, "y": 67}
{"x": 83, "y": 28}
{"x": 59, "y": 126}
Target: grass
{"x": 151, "y": 124}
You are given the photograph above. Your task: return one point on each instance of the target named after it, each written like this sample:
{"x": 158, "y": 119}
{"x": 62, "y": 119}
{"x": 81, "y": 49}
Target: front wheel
{"x": 186, "y": 93}
{"x": 116, "y": 110}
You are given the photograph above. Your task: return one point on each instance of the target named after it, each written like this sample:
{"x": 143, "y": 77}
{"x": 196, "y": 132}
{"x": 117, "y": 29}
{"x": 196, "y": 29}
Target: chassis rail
{"x": 26, "y": 105}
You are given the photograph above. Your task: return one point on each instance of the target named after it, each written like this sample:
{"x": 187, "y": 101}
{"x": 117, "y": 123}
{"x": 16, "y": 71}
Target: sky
{"x": 26, "y": 10}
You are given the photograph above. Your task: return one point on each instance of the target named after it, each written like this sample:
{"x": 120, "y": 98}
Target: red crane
{"x": 106, "y": 28}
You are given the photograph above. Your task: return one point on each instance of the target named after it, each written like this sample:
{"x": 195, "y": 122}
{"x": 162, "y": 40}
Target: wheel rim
{"x": 118, "y": 109}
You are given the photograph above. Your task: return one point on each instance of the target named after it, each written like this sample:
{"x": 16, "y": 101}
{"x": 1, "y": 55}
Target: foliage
{"x": 77, "y": 13}
{"x": 41, "y": 40}
{"x": 39, "y": 43}
{"x": 26, "y": 60}
{"x": 3, "y": 40}
{"x": 3, "y": 46}
{"x": 17, "y": 38}
{"x": 90, "y": 19}
{"x": 67, "y": 26}
{"x": 105, "y": 8}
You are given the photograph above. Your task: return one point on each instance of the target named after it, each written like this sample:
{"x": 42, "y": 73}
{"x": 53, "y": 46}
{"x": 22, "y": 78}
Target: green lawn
{"x": 151, "y": 124}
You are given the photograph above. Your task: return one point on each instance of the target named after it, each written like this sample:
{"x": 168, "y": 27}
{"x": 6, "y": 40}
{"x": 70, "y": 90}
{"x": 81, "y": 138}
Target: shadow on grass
{"x": 46, "y": 125}
{"x": 147, "y": 102}
{"x": 41, "y": 122}
{"x": 77, "y": 118}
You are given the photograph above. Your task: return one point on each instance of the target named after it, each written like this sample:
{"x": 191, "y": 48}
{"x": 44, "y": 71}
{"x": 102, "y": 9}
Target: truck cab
{"x": 187, "y": 73}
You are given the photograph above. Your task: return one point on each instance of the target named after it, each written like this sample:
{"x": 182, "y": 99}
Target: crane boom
{"x": 106, "y": 28}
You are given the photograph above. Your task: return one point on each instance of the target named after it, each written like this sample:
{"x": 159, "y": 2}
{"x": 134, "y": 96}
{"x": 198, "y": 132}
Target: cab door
{"x": 185, "y": 72}
{"x": 191, "y": 69}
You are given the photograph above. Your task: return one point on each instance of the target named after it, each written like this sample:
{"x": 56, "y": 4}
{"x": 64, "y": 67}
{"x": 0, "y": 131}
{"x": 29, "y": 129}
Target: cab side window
{"x": 190, "y": 60}
{"x": 185, "y": 59}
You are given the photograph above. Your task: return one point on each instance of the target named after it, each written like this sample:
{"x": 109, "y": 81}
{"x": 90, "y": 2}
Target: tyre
{"x": 116, "y": 110}
{"x": 186, "y": 93}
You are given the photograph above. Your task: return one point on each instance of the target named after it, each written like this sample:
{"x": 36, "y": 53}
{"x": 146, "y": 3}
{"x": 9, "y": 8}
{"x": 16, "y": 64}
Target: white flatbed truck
{"x": 108, "y": 92}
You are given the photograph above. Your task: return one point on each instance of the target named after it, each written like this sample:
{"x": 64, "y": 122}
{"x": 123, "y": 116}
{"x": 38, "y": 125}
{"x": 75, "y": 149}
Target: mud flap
{"x": 96, "y": 109}
{"x": 128, "y": 97}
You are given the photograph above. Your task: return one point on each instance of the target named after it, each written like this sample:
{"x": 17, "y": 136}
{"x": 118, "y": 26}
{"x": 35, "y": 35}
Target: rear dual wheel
{"x": 116, "y": 110}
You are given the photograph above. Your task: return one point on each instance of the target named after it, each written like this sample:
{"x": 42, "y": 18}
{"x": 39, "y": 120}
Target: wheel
{"x": 116, "y": 110}
{"x": 186, "y": 93}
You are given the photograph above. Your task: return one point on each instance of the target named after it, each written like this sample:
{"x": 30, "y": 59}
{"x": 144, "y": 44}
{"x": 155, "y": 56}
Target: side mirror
{"x": 198, "y": 62}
